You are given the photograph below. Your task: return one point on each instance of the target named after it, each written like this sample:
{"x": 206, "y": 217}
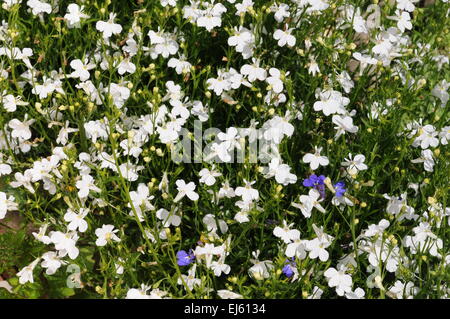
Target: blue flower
{"x": 288, "y": 269}
{"x": 314, "y": 181}
{"x": 184, "y": 258}
{"x": 340, "y": 190}
{"x": 317, "y": 182}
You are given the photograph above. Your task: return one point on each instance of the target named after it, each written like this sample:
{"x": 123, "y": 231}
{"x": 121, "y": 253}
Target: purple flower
{"x": 317, "y": 182}
{"x": 340, "y": 190}
{"x": 184, "y": 258}
{"x": 288, "y": 269}
{"x": 314, "y": 181}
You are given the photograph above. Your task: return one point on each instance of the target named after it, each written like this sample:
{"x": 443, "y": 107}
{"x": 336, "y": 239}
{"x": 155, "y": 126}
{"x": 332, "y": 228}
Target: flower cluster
{"x": 314, "y": 138}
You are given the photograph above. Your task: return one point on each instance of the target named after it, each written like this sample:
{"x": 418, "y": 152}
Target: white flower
{"x": 65, "y": 243}
{"x": 6, "y": 204}
{"x": 227, "y": 294}
{"x": 126, "y": 66}
{"x": 374, "y": 229}
{"x": 10, "y": 102}
{"x": 180, "y": 65}
{"x": 23, "y": 180}
{"x": 130, "y": 147}
{"x": 316, "y": 293}
{"x": 357, "y": 21}
{"x": 106, "y": 234}
{"x": 354, "y": 164}
{"x": 339, "y": 279}
{"x": 242, "y": 8}
{"x": 41, "y": 235}
{"x": 241, "y": 217}
{"x": 208, "y": 251}
{"x": 129, "y": 171}
{"x": 281, "y": 172}
{"x": 81, "y": 70}
{"x": 211, "y": 17}
{"x": 208, "y": 177}
{"x": 213, "y": 224}
{"x": 163, "y": 186}
{"x": 364, "y": 61}
{"x": 331, "y": 102}
{"x": 76, "y": 220}
{"x": 8, "y": 4}
{"x": 20, "y": 129}
{"x": 274, "y": 80}
{"x": 407, "y": 5}
{"x": 119, "y": 266}
{"x": 26, "y": 274}
{"x": 400, "y": 290}
{"x": 358, "y": 293}
{"x": 440, "y": 91}
{"x": 190, "y": 279}
{"x": 220, "y": 267}
{"x": 424, "y": 240}
{"x": 119, "y": 92}
{"x": 219, "y": 84}
{"x": 383, "y": 46}
{"x": 85, "y": 185}
{"x": 398, "y": 206}
{"x": 5, "y": 169}
{"x": 253, "y": 71}
{"x": 315, "y": 5}
{"x": 168, "y": 218}
{"x": 426, "y": 159}
{"x": 168, "y": 47}
{"x": 48, "y": 86}
{"x": 226, "y": 190}
{"x": 317, "y": 246}
{"x": 247, "y": 192}
{"x": 156, "y": 37}
{"x": 286, "y": 233}
{"x": 74, "y": 15}
{"x": 168, "y": 132}
{"x": 141, "y": 201}
{"x": 284, "y": 37}
{"x": 315, "y": 159}
{"x": 185, "y": 190}
{"x": 444, "y": 135}
{"x": 38, "y": 7}
{"x": 141, "y": 293}
{"x": 241, "y": 39}
{"x": 427, "y": 137}
{"x": 344, "y": 124}
{"x": 403, "y": 21}
{"x": 281, "y": 12}
{"x": 244, "y": 41}
{"x": 313, "y": 67}
{"x": 261, "y": 269}
{"x": 108, "y": 28}
{"x": 381, "y": 252}
{"x": 52, "y": 262}
{"x": 63, "y": 135}
{"x": 171, "y": 3}
{"x": 278, "y": 127}
{"x": 308, "y": 202}
{"x": 230, "y": 138}
{"x": 296, "y": 248}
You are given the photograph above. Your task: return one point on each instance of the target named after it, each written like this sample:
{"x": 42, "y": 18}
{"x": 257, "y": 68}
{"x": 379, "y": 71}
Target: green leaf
{"x": 13, "y": 281}
{"x": 67, "y": 292}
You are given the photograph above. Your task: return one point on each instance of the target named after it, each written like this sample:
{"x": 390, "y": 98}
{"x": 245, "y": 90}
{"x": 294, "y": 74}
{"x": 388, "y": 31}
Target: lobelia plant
{"x": 224, "y": 149}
